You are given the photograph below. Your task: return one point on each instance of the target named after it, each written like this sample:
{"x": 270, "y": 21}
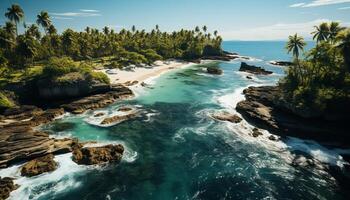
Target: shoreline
{"x": 142, "y": 74}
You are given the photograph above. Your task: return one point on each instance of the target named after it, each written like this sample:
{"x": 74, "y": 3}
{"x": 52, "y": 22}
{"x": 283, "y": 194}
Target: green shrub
{"x": 99, "y": 76}
{"x": 5, "y": 102}
{"x": 59, "y": 66}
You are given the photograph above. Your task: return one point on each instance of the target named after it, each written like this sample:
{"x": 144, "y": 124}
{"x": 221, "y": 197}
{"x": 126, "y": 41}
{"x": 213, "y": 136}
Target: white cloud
{"x": 76, "y": 14}
{"x": 315, "y": 3}
{"x": 297, "y": 5}
{"x": 58, "y": 17}
{"x": 344, "y": 8}
{"x": 89, "y": 10}
{"x": 279, "y": 31}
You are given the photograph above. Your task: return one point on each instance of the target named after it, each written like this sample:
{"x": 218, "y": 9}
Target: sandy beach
{"x": 141, "y": 74}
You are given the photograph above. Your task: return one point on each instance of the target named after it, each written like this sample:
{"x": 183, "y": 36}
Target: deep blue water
{"x": 175, "y": 150}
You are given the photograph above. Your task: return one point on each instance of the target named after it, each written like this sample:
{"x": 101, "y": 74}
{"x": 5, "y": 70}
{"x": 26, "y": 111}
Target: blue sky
{"x": 234, "y": 19}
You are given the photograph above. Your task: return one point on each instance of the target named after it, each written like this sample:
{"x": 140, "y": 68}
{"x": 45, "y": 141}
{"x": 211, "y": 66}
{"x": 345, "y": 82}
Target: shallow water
{"x": 176, "y": 151}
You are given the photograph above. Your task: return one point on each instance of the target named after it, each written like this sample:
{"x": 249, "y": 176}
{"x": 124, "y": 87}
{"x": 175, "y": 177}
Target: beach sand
{"x": 141, "y": 74}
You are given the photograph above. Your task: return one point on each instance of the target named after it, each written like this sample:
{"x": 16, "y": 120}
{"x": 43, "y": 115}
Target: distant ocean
{"x": 175, "y": 150}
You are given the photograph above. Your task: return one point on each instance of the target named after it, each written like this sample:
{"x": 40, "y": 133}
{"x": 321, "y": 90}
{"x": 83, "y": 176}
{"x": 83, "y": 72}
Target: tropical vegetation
{"x": 319, "y": 83}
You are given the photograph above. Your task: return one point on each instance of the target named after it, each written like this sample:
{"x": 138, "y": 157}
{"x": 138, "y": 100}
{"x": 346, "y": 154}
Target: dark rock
{"x": 98, "y": 155}
{"x": 253, "y": 69}
{"x": 130, "y": 83}
{"x": 249, "y": 77}
{"x": 39, "y": 166}
{"x": 225, "y": 116}
{"x": 143, "y": 84}
{"x": 214, "y": 70}
{"x": 272, "y": 138}
{"x": 6, "y": 187}
{"x": 281, "y": 63}
{"x": 99, "y": 114}
{"x": 256, "y": 132}
{"x": 263, "y": 108}
{"x": 117, "y": 92}
{"x": 124, "y": 109}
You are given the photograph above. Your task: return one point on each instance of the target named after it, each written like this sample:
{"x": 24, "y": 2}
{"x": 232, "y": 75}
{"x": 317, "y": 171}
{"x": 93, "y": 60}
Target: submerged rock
{"x": 272, "y": 138}
{"x": 6, "y": 187}
{"x": 249, "y": 77}
{"x": 130, "y": 83}
{"x": 253, "y": 69}
{"x": 99, "y": 114}
{"x": 225, "y": 116}
{"x": 39, "y": 166}
{"x": 214, "y": 70}
{"x": 98, "y": 155}
{"x": 281, "y": 63}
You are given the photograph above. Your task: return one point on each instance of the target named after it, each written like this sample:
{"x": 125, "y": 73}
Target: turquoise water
{"x": 174, "y": 150}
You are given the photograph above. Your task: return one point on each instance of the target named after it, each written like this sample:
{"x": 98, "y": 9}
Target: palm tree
{"x": 205, "y": 28}
{"x": 296, "y": 44}
{"x": 52, "y": 30}
{"x": 321, "y": 33}
{"x": 334, "y": 29}
{"x": 343, "y": 39}
{"x": 87, "y": 29}
{"x": 33, "y": 31}
{"x": 43, "y": 19}
{"x": 10, "y": 28}
{"x": 105, "y": 30}
{"x": 215, "y": 33}
{"x": 15, "y": 14}
{"x": 197, "y": 30}
{"x": 133, "y": 28}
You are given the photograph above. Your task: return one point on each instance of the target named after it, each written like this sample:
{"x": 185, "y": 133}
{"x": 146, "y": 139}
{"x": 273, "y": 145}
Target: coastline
{"x": 141, "y": 74}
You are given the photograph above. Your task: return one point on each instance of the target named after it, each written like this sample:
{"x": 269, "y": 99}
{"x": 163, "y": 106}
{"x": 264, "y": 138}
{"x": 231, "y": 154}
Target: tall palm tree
{"x": 43, "y": 19}
{"x": 296, "y": 44}
{"x": 321, "y": 33}
{"x": 197, "y": 30}
{"x": 87, "y": 29}
{"x": 343, "y": 39}
{"x": 334, "y": 29}
{"x": 215, "y": 33}
{"x": 133, "y": 28}
{"x": 15, "y": 14}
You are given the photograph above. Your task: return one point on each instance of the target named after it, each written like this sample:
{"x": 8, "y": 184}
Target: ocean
{"x": 175, "y": 150}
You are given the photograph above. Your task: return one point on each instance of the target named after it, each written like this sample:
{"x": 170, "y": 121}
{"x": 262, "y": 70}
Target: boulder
{"x": 272, "y": 138}
{"x": 130, "y": 83}
{"x": 99, "y": 114}
{"x": 256, "y": 133}
{"x": 225, "y": 116}
{"x": 6, "y": 187}
{"x": 38, "y": 166}
{"x": 98, "y": 155}
{"x": 253, "y": 69}
{"x": 214, "y": 70}
{"x": 249, "y": 77}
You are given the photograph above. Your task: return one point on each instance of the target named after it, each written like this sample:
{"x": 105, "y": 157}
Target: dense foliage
{"x": 319, "y": 84}
{"x": 125, "y": 47}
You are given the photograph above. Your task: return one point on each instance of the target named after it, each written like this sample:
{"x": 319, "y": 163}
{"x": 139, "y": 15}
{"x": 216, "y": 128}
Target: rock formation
{"x": 225, "y": 116}
{"x": 39, "y": 165}
{"x": 6, "y": 187}
{"x": 98, "y": 155}
{"x": 253, "y": 69}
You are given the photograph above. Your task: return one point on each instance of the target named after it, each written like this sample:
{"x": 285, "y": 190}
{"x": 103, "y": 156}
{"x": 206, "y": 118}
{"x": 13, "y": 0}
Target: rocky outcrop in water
{"x": 253, "y": 69}
{"x": 281, "y": 63}
{"x": 214, "y": 70}
{"x": 6, "y": 187}
{"x": 98, "y": 155}
{"x": 225, "y": 116}
{"x": 118, "y": 118}
{"x": 264, "y": 109}
{"x": 39, "y": 165}
{"x": 117, "y": 92}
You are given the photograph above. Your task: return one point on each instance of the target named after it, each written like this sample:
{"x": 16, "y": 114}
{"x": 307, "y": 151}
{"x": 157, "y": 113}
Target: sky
{"x": 234, "y": 19}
